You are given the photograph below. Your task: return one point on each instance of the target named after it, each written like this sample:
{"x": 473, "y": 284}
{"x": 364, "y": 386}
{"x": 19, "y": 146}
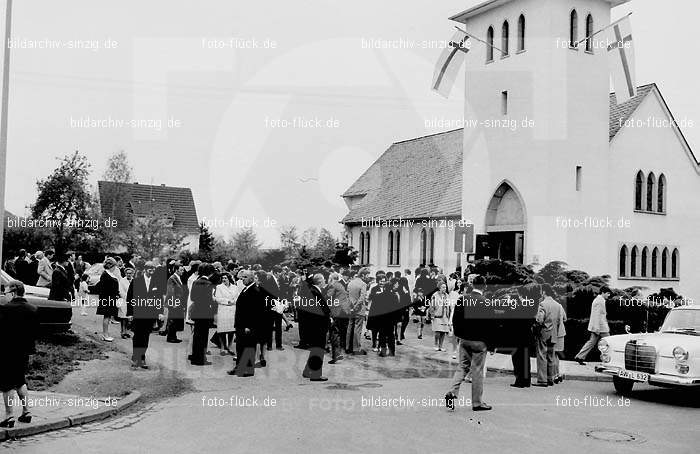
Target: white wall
{"x": 659, "y": 150}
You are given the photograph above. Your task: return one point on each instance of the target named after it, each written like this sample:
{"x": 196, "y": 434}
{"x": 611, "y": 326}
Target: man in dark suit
{"x": 144, "y": 303}
{"x": 61, "y": 283}
{"x": 22, "y": 267}
{"x": 318, "y": 319}
{"x": 273, "y": 292}
{"x": 176, "y": 302}
{"x": 202, "y": 314}
{"x": 472, "y": 335}
{"x": 19, "y": 327}
{"x": 249, "y": 309}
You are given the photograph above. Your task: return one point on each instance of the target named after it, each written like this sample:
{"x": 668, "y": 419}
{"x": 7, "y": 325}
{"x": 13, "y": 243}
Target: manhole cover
{"x": 615, "y": 436}
{"x": 347, "y": 387}
{"x": 343, "y": 387}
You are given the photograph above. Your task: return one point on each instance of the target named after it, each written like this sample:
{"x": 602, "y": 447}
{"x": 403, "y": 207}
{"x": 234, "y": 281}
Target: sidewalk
{"x": 499, "y": 362}
{"x": 51, "y": 411}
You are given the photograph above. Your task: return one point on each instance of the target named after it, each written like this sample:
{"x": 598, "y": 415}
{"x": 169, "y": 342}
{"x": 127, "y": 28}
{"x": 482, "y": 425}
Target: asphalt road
{"x": 277, "y": 411}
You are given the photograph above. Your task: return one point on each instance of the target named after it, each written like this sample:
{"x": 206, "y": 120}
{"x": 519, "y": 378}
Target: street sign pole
{"x": 3, "y": 120}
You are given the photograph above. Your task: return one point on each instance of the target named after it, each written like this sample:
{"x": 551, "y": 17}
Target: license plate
{"x": 633, "y": 375}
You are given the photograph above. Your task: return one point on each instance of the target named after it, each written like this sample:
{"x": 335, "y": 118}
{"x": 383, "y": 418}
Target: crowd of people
{"x": 338, "y": 310}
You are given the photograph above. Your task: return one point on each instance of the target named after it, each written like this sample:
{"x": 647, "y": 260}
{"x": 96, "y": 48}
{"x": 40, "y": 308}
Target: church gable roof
{"x": 402, "y": 183}
{"x": 413, "y": 179}
{"x": 124, "y": 201}
{"x": 619, "y": 113}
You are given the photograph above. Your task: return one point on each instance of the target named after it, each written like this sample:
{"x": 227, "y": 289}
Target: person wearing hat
{"x": 145, "y": 300}
{"x": 108, "y": 295}
{"x": 19, "y": 325}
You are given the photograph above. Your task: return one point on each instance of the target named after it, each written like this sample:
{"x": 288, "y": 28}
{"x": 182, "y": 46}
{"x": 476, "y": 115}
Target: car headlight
{"x": 680, "y": 354}
{"x": 603, "y": 346}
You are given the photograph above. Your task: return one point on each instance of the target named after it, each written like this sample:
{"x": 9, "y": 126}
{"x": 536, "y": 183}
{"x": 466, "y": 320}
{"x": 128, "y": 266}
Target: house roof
{"x": 122, "y": 201}
{"x": 401, "y": 183}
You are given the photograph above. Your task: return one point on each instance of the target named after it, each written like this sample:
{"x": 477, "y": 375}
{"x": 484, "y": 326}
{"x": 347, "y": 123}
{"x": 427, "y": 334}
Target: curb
{"x": 70, "y": 421}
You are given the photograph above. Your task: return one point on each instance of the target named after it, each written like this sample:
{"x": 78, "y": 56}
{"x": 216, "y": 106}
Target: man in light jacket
{"x": 357, "y": 294}
{"x": 44, "y": 268}
{"x": 339, "y": 302}
{"x": 597, "y": 325}
{"x": 548, "y": 316}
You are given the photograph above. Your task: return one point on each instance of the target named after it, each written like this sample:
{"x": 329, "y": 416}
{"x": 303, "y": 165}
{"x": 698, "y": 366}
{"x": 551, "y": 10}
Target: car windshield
{"x": 687, "y": 320}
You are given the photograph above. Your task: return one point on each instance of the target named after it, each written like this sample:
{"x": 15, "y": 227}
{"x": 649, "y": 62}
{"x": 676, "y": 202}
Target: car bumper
{"x": 654, "y": 379}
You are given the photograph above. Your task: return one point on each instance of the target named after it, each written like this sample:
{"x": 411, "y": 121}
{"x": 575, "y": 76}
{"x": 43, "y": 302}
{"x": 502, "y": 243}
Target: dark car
{"x": 54, "y": 316}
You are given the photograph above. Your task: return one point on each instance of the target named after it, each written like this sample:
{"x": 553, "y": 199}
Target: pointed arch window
{"x": 367, "y": 248}
{"x": 664, "y": 263}
{"x": 489, "y": 45}
{"x": 505, "y": 39}
{"x": 654, "y": 262}
{"x": 432, "y": 246}
{"x": 623, "y": 261}
{"x": 633, "y": 261}
{"x": 645, "y": 261}
{"x": 390, "y": 245}
{"x": 397, "y": 247}
{"x": 638, "y": 190}
{"x": 589, "y": 32}
{"x": 661, "y": 198}
{"x": 521, "y": 33}
{"x": 423, "y": 246}
{"x": 674, "y": 263}
{"x": 651, "y": 186}
{"x": 573, "y": 29}
{"x": 362, "y": 248}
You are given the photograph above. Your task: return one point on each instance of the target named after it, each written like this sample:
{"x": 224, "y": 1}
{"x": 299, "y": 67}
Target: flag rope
{"x": 479, "y": 39}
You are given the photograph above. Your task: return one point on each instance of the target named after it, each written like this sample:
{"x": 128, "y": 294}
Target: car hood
{"x": 663, "y": 342}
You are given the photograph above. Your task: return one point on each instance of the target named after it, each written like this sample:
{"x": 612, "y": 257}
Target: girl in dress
{"x": 83, "y": 298}
{"x": 108, "y": 293}
{"x": 226, "y": 295}
{"x": 440, "y": 311}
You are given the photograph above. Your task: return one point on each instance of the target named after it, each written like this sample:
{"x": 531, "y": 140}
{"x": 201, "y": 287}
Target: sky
{"x": 267, "y": 110}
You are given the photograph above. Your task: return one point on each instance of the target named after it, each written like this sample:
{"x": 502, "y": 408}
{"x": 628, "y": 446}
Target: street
{"x": 380, "y": 405}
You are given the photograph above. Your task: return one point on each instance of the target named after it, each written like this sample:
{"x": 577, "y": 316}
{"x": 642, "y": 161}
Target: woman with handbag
{"x": 225, "y": 296}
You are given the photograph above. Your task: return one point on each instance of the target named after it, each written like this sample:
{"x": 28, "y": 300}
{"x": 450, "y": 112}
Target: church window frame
{"x": 489, "y": 44}
{"x": 505, "y": 39}
{"x": 634, "y": 255}
{"x": 662, "y": 188}
{"x": 573, "y": 30}
{"x": 521, "y": 33}
{"x": 639, "y": 181}
{"x": 589, "y": 32}
{"x": 623, "y": 261}
{"x": 651, "y": 192}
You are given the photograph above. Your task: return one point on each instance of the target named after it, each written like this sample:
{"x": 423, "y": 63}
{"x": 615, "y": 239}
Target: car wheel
{"x": 623, "y": 386}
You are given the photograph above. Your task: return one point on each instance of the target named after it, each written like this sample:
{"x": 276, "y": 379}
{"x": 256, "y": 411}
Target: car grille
{"x": 641, "y": 358}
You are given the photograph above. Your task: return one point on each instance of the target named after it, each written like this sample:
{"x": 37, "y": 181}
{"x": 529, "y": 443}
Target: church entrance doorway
{"x": 505, "y": 227}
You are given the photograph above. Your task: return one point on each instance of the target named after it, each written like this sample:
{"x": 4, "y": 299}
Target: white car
{"x": 29, "y": 290}
{"x": 669, "y": 357}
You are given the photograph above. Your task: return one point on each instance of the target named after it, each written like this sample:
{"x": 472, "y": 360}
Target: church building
{"x": 548, "y": 166}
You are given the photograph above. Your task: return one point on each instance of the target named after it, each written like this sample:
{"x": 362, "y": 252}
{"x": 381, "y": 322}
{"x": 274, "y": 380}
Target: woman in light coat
{"x": 441, "y": 312}
{"x": 226, "y": 295}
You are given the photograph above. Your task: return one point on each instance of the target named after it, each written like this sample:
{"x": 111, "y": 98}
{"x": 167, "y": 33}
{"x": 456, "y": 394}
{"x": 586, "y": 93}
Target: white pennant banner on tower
{"x": 448, "y": 64}
{"x": 621, "y": 57}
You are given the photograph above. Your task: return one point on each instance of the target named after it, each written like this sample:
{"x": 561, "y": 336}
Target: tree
{"x": 309, "y": 238}
{"x": 289, "y": 240}
{"x": 246, "y": 246}
{"x": 118, "y": 168}
{"x": 345, "y": 255}
{"x": 64, "y": 199}
{"x": 325, "y": 245}
{"x": 206, "y": 242}
{"x": 152, "y": 236}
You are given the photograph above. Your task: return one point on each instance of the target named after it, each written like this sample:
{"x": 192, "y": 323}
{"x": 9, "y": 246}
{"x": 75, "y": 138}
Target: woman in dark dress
{"x": 373, "y": 321}
{"x": 108, "y": 294}
{"x": 19, "y": 325}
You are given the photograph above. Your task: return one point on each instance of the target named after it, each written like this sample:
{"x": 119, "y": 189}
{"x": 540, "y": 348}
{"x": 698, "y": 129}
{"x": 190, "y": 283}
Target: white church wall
{"x": 658, "y": 150}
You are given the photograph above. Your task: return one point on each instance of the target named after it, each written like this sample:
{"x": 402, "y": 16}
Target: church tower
{"x": 536, "y": 140}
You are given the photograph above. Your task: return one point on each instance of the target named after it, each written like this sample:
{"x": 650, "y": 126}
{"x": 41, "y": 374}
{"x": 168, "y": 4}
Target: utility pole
{"x": 3, "y": 120}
